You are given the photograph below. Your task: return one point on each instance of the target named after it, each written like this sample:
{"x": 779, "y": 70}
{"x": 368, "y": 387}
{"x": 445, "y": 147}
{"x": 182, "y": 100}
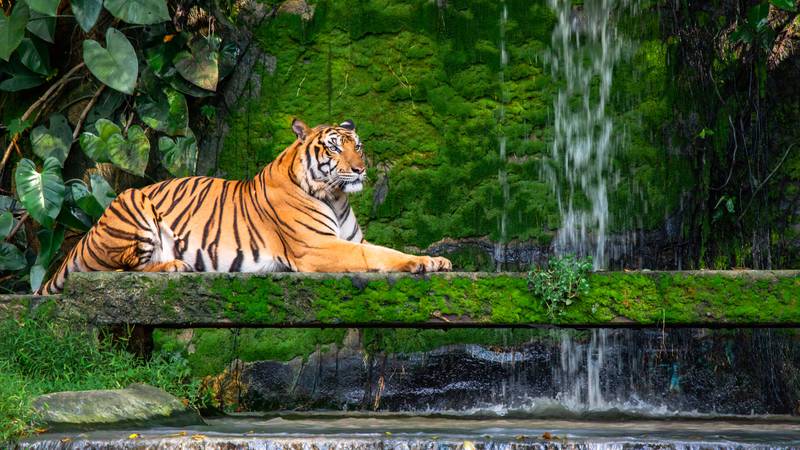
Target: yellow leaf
{"x": 469, "y": 445}
{"x": 198, "y": 437}
{"x": 169, "y": 37}
{"x": 133, "y": 436}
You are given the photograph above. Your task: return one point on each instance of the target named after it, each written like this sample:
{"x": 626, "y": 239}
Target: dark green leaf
{"x": 179, "y": 156}
{"x": 8, "y": 203}
{"x": 166, "y": 111}
{"x": 86, "y": 12}
{"x": 18, "y": 126}
{"x": 116, "y": 66}
{"x": 787, "y": 5}
{"x": 101, "y": 190}
{"x": 757, "y": 16}
{"x": 200, "y": 66}
{"x": 85, "y": 200}
{"x": 141, "y": 12}
{"x": 73, "y": 217}
{"x": 55, "y": 141}
{"x": 37, "y": 274}
{"x": 228, "y": 57}
{"x": 181, "y": 85}
{"x": 7, "y": 222}
{"x": 12, "y": 29}
{"x": 49, "y": 7}
{"x": 108, "y": 102}
{"x": 34, "y": 57}
{"x": 96, "y": 145}
{"x": 130, "y": 154}
{"x": 41, "y": 193}
{"x": 49, "y": 243}
{"x": 43, "y": 26}
{"x": 21, "y": 80}
{"x": 11, "y": 258}
{"x": 729, "y": 205}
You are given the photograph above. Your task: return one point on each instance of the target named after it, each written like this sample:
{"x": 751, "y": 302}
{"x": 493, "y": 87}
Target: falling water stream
{"x": 585, "y": 49}
{"x": 502, "y": 175}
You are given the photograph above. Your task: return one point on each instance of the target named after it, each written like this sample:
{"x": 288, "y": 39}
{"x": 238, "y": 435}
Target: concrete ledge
{"x": 616, "y": 299}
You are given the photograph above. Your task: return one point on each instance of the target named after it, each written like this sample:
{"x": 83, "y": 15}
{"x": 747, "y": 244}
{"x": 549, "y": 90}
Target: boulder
{"x": 136, "y": 405}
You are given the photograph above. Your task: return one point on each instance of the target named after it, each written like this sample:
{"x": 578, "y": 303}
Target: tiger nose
{"x": 358, "y": 170}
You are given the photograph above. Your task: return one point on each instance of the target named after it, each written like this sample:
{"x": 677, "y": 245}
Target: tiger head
{"x": 332, "y": 157}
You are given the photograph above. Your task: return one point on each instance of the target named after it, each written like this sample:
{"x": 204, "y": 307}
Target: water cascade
{"x": 502, "y": 175}
{"x": 585, "y": 50}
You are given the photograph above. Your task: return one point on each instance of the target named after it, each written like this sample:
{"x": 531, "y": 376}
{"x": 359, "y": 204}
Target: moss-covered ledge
{"x": 705, "y": 298}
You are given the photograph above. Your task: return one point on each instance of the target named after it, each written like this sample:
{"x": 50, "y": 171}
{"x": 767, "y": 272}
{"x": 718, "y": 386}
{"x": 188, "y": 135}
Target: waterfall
{"x": 502, "y": 175}
{"x": 585, "y": 49}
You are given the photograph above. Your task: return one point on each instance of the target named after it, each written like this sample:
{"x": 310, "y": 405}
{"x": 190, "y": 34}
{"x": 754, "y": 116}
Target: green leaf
{"x": 6, "y": 224}
{"x": 101, "y": 190}
{"x": 179, "y": 156}
{"x": 757, "y": 16}
{"x": 200, "y": 65}
{"x": 55, "y": 141}
{"x": 729, "y": 205}
{"x": 41, "y": 193}
{"x": 786, "y": 5}
{"x": 86, "y": 12}
{"x": 108, "y": 102}
{"x": 49, "y": 243}
{"x": 37, "y": 274}
{"x": 116, "y": 66}
{"x": 10, "y": 256}
{"x": 181, "y": 85}
{"x": 21, "y": 80}
{"x": 43, "y": 26}
{"x": 16, "y": 126}
{"x": 131, "y": 154}
{"x": 12, "y": 29}
{"x": 84, "y": 199}
{"x": 140, "y": 12}
{"x": 34, "y": 57}
{"x": 96, "y": 145}
{"x": 49, "y": 7}
{"x": 166, "y": 111}
{"x": 108, "y": 145}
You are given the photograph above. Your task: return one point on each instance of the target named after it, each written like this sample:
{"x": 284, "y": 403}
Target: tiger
{"x": 294, "y": 215}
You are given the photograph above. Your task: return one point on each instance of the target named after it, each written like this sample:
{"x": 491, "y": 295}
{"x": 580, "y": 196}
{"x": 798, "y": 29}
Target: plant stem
{"x": 85, "y": 112}
{"x": 36, "y": 105}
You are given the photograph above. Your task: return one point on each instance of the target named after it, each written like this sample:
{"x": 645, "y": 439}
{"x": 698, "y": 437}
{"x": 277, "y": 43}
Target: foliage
{"x": 560, "y": 283}
{"x": 37, "y": 358}
{"x": 151, "y": 65}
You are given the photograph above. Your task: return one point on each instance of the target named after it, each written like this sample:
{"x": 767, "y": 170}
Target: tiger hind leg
{"x": 129, "y": 236}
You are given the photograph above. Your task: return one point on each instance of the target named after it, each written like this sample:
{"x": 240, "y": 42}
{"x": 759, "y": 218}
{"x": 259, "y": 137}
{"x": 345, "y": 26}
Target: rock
{"x": 136, "y": 405}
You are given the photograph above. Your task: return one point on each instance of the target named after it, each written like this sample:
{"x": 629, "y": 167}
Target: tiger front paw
{"x": 423, "y": 264}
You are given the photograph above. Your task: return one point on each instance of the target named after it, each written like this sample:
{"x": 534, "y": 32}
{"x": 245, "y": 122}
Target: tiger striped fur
{"x": 293, "y": 216}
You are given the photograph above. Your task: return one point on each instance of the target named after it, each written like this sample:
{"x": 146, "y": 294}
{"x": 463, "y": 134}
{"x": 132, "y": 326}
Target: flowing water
{"x": 362, "y": 432}
{"x": 585, "y": 49}
{"x": 502, "y": 176}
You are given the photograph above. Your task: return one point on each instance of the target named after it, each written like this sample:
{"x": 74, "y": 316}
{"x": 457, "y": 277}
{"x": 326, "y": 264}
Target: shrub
{"x": 560, "y": 282}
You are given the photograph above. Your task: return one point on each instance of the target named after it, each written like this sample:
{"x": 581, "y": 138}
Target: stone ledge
{"x": 615, "y": 299}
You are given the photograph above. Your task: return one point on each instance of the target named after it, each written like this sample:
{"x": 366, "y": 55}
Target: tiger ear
{"x": 300, "y": 129}
{"x": 348, "y": 124}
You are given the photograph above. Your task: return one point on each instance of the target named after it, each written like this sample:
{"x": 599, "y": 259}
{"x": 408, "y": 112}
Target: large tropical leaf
{"x": 131, "y": 154}
{"x": 37, "y": 274}
{"x": 108, "y": 102}
{"x": 42, "y": 193}
{"x": 96, "y": 145}
{"x": 10, "y": 256}
{"x": 142, "y": 12}
{"x": 179, "y": 156}
{"x": 35, "y": 57}
{"x": 54, "y": 141}
{"x": 101, "y": 190}
{"x": 85, "y": 200}
{"x": 86, "y": 12}
{"x": 43, "y": 26}
{"x": 788, "y": 5}
{"x": 166, "y": 111}
{"x": 21, "y": 77}
{"x": 200, "y": 66}
{"x": 116, "y": 66}
{"x": 12, "y": 29}
{"x": 49, "y": 7}
{"x": 7, "y": 223}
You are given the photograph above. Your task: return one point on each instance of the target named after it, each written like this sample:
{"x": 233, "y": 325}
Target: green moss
{"x": 422, "y": 85}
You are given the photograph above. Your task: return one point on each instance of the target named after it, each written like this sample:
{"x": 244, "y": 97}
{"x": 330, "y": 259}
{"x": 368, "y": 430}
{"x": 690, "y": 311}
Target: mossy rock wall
{"x": 422, "y": 84}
